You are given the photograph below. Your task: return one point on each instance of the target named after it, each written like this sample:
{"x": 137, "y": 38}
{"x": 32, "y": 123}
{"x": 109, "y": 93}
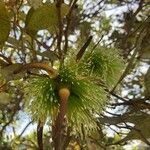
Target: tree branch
{"x": 40, "y": 135}
{"x": 45, "y": 66}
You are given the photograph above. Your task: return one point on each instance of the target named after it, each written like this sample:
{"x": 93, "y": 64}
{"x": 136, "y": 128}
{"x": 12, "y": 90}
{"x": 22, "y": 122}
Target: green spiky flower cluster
{"x": 86, "y": 97}
{"x": 42, "y": 98}
{"x": 103, "y": 63}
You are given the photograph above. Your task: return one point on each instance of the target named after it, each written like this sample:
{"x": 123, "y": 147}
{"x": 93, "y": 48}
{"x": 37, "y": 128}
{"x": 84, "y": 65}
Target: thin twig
{"x": 68, "y": 24}
{"x": 24, "y": 129}
{"x": 44, "y": 66}
{"x": 59, "y": 37}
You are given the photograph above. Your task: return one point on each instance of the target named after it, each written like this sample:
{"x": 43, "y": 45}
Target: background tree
{"x": 61, "y": 64}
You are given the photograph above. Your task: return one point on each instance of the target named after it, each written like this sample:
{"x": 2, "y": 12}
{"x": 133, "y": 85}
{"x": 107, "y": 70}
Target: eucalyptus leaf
{"x": 49, "y": 54}
{"x": 44, "y": 17}
{"x": 4, "y": 23}
{"x": 145, "y": 52}
{"x": 5, "y": 98}
{"x": 13, "y": 41}
{"x": 147, "y": 83}
{"x": 35, "y": 3}
{"x": 7, "y": 73}
{"x": 140, "y": 131}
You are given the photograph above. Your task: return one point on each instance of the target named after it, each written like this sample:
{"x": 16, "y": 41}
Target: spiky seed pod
{"x": 84, "y": 98}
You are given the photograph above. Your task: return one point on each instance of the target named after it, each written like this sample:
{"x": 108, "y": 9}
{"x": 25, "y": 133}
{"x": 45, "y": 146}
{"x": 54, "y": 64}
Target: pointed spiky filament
{"x": 102, "y": 63}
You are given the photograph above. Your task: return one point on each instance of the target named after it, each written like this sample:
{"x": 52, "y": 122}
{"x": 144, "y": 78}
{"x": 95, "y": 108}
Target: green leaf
{"x": 4, "y": 23}
{"x": 13, "y": 42}
{"x": 105, "y": 24}
{"x": 145, "y": 52}
{"x": 35, "y": 3}
{"x": 49, "y": 54}
{"x": 117, "y": 137}
{"x": 140, "y": 130}
{"x": 44, "y": 17}
{"x": 4, "y": 98}
{"x": 7, "y": 73}
{"x": 147, "y": 83}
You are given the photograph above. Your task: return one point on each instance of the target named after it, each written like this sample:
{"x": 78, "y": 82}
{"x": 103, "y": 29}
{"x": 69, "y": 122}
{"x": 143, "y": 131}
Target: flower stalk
{"x": 58, "y": 127}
